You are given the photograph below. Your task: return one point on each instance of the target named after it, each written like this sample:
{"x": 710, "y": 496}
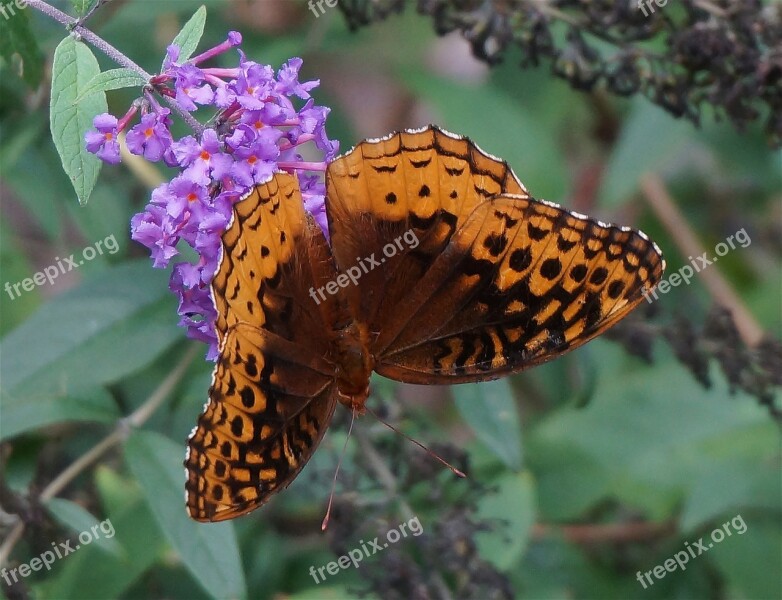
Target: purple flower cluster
{"x": 257, "y": 130}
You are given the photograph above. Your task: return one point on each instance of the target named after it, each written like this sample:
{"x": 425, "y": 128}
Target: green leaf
{"x": 650, "y": 141}
{"x": 657, "y": 444}
{"x": 188, "y": 37}
{"x": 113, "y": 79}
{"x": 39, "y": 190}
{"x": 24, "y": 412}
{"x": 17, "y": 39}
{"x": 209, "y": 551}
{"x": 565, "y": 467}
{"x": 113, "y": 324}
{"x": 730, "y": 485}
{"x": 750, "y": 560}
{"x": 511, "y": 509}
{"x": 490, "y": 410}
{"x": 109, "y": 576}
{"x": 79, "y": 520}
{"x": 15, "y": 267}
{"x": 73, "y": 68}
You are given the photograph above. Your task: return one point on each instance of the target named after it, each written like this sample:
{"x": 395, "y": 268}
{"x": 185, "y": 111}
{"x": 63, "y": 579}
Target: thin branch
{"x": 609, "y": 533}
{"x": 118, "y": 435}
{"x": 110, "y": 51}
{"x": 86, "y": 34}
{"x": 721, "y": 291}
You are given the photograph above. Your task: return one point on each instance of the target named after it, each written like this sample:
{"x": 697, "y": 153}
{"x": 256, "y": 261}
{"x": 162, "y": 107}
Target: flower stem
{"x": 110, "y": 51}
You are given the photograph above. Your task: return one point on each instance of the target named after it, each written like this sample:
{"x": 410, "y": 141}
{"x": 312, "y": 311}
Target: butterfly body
{"x": 354, "y": 365}
{"x": 440, "y": 269}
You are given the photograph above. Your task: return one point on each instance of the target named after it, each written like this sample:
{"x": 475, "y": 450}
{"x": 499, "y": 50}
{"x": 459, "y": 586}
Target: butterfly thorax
{"x": 354, "y": 365}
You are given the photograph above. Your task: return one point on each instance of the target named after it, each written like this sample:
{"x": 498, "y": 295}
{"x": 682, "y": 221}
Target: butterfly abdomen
{"x": 354, "y": 365}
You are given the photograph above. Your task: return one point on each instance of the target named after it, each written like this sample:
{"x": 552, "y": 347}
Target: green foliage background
{"x": 598, "y": 439}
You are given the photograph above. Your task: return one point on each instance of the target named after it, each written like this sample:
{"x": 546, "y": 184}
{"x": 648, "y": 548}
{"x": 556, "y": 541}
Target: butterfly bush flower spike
{"x": 256, "y": 130}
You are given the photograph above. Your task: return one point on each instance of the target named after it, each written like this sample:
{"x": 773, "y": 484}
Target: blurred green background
{"x": 582, "y": 472}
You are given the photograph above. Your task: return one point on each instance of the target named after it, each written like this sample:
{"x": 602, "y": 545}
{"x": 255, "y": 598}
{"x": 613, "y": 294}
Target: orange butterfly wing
{"x": 273, "y": 392}
{"x": 499, "y": 281}
{"x": 421, "y": 183}
{"x": 457, "y": 275}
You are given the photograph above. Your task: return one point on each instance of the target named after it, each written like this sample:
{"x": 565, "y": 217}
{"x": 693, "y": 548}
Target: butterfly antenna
{"x": 325, "y": 522}
{"x": 434, "y": 455}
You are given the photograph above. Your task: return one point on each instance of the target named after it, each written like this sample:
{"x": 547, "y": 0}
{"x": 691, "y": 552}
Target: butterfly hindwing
{"x": 267, "y": 412}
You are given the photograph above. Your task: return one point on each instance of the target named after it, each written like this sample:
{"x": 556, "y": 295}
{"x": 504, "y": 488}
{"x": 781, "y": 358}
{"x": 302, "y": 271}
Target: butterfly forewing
{"x": 273, "y": 391}
{"x": 519, "y": 284}
{"x": 420, "y": 184}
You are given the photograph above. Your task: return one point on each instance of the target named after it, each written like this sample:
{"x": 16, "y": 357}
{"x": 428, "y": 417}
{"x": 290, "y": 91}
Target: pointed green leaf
{"x": 113, "y": 324}
{"x": 79, "y": 520}
{"x": 113, "y": 79}
{"x": 26, "y": 412}
{"x": 510, "y": 507}
{"x": 650, "y": 141}
{"x": 209, "y": 551}
{"x": 73, "y": 68}
{"x": 490, "y": 409}
{"x": 109, "y": 576}
{"x": 188, "y": 37}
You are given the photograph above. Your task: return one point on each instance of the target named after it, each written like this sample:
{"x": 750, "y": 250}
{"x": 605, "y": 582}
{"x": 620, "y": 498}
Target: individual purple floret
{"x": 151, "y": 137}
{"x": 103, "y": 141}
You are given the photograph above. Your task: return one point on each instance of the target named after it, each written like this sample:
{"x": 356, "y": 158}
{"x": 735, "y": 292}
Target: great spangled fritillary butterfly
{"x": 496, "y": 283}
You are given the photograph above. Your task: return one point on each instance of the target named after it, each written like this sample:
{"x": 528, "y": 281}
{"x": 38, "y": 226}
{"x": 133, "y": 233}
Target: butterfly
{"x": 440, "y": 269}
